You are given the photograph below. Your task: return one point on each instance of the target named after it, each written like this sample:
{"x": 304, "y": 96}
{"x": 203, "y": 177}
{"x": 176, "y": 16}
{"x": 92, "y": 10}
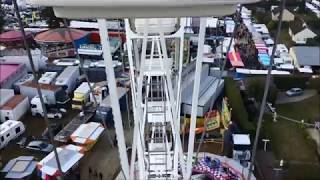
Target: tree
{"x": 52, "y": 21}
{"x": 272, "y": 25}
{"x": 256, "y": 90}
{"x": 314, "y": 41}
{"x": 2, "y": 20}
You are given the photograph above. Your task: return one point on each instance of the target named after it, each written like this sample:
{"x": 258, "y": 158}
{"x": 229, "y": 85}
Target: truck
{"x": 100, "y": 91}
{"x": 14, "y": 108}
{"x": 54, "y": 95}
{"x": 68, "y": 78}
{"x": 55, "y": 112}
{"x": 9, "y": 131}
{"x": 47, "y": 77}
{"x": 17, "y": 84}
{"x": 104, "y": 111}
{"x": 81, "y": 96}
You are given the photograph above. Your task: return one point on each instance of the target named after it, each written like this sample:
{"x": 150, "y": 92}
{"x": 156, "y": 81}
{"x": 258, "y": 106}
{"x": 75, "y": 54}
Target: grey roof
{"x": 20, "y": 167}
{"x": 307, "y": 55}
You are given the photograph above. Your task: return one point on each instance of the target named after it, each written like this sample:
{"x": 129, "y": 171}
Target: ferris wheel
{"x": 155, "y": 75}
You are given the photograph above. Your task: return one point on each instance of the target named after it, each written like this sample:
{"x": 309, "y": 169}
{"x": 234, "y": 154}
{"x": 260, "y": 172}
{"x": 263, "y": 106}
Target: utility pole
{"x": 265, "y": 144}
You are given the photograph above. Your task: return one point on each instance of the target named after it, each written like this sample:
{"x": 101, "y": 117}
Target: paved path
{"x": 283, "y": 98}
{"x": 315, "y": 134}
{"x": 102, "y": 159}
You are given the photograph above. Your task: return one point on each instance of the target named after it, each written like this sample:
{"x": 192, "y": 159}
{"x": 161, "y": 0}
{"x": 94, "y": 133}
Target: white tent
{"x": 69, "y": 156}
{"x": 87, "y": 133}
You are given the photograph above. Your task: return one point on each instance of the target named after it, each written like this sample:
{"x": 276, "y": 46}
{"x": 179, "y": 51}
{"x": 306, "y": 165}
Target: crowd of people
{"x": 244, "y": 44}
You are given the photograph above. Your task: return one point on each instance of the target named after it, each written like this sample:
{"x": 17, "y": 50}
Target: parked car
{"x": 294, "y": 92}
{"x": 40, "y": 146}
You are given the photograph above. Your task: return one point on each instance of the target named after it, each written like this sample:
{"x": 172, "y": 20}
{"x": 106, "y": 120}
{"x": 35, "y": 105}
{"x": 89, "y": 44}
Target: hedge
{"x": 314, "y": 83}
{"x": 256, "y": 89}
{"x": 238, "y": 112}
{"x": 284, "y": 82}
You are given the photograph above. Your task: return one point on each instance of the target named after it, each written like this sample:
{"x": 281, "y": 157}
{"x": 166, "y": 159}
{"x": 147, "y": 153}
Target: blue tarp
{"x": 264, "y": 59}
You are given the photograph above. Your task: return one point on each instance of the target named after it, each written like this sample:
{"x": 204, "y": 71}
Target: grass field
{"x": 291, "y": 142}
{"x": 308, "y": 109}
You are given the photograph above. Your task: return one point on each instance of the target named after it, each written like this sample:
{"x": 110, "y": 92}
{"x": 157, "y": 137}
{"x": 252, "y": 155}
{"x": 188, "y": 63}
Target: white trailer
{"x": 5, "y": 95}
{"x": 68, "y": 78}
{"x": 39, "y": 61}
{"x": 47, "y": 77}
{"x": 17, "y": 84}
{"x": 15, "y": 108}
{"x": 10, "y": 130}
{"x": 48, "y": 90}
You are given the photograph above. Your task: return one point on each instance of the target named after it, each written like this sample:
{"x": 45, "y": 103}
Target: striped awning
{"x": 235, "y": 59}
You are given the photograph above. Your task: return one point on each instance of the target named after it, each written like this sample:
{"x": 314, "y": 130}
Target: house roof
{"x": 307, "y": 55}
{"x": 297, "y": 25}
{"x": 276, "y": 10}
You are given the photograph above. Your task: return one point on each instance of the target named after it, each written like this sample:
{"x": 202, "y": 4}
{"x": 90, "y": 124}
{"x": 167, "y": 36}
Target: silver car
{"x": 294, "y": 92}
{"x": 40, "y": 146}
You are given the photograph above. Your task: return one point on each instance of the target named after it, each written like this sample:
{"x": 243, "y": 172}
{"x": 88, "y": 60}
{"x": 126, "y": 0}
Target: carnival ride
{"x": 155, "y": 101}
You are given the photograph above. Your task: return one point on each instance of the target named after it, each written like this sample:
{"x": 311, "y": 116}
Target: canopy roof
{"x": 235, "y": 59}
{"x": 60, "y": 35}
{"x": 87, "y": 133}
{"x": 140, "y": 8}
{"x": 20, "y": 167}
{"x": 10, "y": 36}
{"x": 69, "y": 155}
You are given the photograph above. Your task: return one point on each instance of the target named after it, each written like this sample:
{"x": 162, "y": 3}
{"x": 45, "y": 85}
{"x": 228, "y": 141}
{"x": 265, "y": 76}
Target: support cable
{"x": 219, "y": 81}
{"x": 266, "y": 90}
{"x": 87, "y": 79}
{"x": 45, "y": 113}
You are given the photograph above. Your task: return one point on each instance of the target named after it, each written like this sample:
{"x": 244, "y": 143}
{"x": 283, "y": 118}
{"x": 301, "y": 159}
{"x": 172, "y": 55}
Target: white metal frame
{"x": 157, "y": 41}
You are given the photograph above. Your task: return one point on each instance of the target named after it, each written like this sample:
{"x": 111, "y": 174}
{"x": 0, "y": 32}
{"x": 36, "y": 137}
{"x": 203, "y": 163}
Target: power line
{"x": 45, "y": 114}
{"x": 219, "y": 80}
{"x": 266, "y": 90}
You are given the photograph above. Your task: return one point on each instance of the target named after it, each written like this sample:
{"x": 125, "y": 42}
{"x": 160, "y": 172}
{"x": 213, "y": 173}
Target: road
{"x": 283, "y": 98}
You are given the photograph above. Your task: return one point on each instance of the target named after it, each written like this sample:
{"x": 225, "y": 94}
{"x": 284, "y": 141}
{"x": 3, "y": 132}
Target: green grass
{"x": 285, "y": 38}
{"x": 308, "y": 109}
{"x": 291, "y": 142}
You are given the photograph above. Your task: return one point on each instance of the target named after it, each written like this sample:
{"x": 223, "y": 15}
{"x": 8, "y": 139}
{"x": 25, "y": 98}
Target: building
{"x": 10, "y": 73}
{"x": 314, "y": 6}
{"x": 287, "y": 15}
{"x": 305, "y": 56}
{"x": 300, "y": 32}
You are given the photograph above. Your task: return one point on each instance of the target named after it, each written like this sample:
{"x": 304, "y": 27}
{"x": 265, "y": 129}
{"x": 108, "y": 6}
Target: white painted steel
{"x": 140, "y": 8}
{"x": 195, "y": 96}
{"x": 102, "y": 23}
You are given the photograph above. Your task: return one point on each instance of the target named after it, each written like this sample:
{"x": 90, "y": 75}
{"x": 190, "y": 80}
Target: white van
{"x": 10, "y": 130}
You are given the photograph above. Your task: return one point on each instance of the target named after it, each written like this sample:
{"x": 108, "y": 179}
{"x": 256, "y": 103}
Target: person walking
{"x": 100, "y": 176}
{"x": 90, "y": 172}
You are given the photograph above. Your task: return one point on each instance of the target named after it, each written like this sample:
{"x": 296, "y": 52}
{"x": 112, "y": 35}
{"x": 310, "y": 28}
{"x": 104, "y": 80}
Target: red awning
{"x": 13, "y": 36}
{"x": 235, "y": 59}
{"x": 95, "y": 36}
{"x": 60, "y": 35}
